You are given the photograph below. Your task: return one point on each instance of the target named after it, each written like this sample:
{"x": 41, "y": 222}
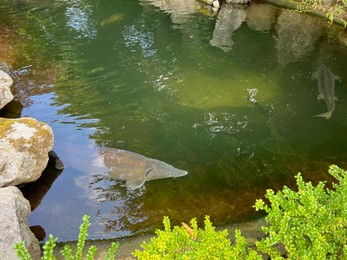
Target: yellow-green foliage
{"x": 310, "y": 223}
{"x": 67, "y": 252}
{"x": 194, "y": 243}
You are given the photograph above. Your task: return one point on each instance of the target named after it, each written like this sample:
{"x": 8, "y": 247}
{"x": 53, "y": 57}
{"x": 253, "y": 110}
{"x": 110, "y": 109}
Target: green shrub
{"x": 67, "y": 252}
{"x": 310, "y": 223}
{"x": 194, "y": 243}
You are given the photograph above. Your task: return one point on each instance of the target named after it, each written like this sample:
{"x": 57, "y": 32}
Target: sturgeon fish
{"x": 326, "y": 88}
{"x": 133, "y": 168}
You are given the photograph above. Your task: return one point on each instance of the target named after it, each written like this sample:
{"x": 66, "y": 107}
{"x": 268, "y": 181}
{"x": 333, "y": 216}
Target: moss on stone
{"x": 5, "y": 124}
{"x": 6, "y": 127}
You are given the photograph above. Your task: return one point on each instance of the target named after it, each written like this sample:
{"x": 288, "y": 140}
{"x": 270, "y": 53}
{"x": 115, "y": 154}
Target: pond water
{"x": 228, "y": 97}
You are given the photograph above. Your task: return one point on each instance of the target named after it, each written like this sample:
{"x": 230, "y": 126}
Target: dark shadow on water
{"x": 36, "y": 191}
{"x": 12, "y": 110}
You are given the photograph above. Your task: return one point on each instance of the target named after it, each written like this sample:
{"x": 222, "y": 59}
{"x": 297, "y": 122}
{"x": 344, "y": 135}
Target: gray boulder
{"x": 5, "y": 92}
{"x": 14, "y": 226}
{"x": 24, "y": 147}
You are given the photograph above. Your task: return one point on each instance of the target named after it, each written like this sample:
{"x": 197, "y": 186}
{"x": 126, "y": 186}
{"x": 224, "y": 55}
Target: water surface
{"x": 232, "y": 105}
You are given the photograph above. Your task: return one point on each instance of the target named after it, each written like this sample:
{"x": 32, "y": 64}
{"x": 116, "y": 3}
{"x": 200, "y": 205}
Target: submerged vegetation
{"x": 309, "y": 223}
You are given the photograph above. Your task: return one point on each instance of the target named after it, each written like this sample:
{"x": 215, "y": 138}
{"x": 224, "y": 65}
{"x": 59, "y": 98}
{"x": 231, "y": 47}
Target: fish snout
{"x": 180, "y": 173}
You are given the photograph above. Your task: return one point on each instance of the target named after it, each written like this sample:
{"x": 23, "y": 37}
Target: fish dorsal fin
{"x": 135, "y": 183}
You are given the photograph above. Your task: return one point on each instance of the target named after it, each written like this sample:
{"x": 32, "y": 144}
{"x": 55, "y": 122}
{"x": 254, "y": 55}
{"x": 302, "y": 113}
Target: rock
{"x": 328, "y": 2}
{"x": 5, "y": 92}
{"x": 216, "y": 4}
{"x": 5, "y": 67}
{"x": 208, "y": 2}
{"x": 58, "y": 163}
{"x": 14, "y": 226}
{"x": 24, "y": 147}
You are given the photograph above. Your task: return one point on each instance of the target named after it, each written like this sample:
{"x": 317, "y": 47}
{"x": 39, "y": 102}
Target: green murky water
{"x": 176, "y": 86}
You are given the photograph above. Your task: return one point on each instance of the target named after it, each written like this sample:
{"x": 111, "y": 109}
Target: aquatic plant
{"x": 67, "y": 252}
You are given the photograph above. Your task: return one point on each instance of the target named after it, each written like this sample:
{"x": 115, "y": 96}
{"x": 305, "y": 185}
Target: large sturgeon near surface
{"x": 133, "y": 168}
{"x": 326, "y": 88}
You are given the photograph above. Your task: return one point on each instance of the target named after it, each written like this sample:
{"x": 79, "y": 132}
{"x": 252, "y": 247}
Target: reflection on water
{"x": 261, "y": 17}
{"x": 297, "y": 35}
{"x": 144, "y": 77}
{"x": 180, "y": 11}
{"x": 229, "y": 19}
{"x": 81, "y": 20}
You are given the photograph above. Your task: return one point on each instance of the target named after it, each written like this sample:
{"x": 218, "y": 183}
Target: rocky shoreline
{"x": 24, "y": 147}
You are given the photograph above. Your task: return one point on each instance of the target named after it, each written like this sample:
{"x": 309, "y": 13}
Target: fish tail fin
{"x": 326, "y": 115}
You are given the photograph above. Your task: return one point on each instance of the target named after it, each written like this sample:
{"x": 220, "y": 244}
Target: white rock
{"x": 216, "y": 4}
{"x": 209, "y": 2}
{"x": 24, "y": 147}
{"x": 5, "y": 92}
{"x": 14, "y": 226}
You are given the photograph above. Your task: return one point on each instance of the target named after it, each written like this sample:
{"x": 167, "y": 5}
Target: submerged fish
{"x": 113, "y": 19}
{"x": 326, "y": 88}
{"x": 135, "y": 169}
